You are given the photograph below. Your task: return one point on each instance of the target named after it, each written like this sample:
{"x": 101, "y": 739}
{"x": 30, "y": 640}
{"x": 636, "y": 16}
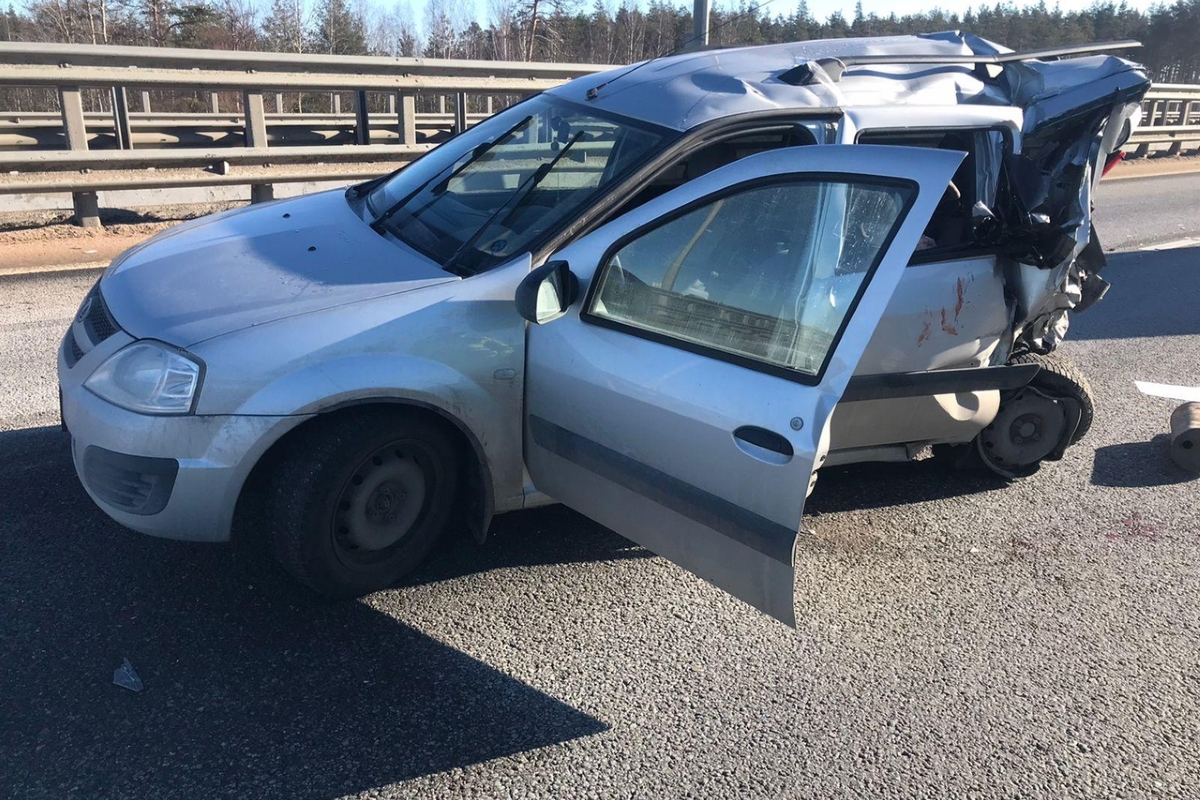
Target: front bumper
{"x": 176, "y": 477}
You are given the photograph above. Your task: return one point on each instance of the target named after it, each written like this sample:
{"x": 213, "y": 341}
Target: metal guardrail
{"x": 85, "y": 153}
{"x": 1171, "y": 117}
{"x": 42, "y": 129}
{"x": 72, "y": 69}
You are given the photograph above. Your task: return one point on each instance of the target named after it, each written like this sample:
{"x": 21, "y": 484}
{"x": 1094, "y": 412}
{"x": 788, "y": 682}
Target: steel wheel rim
{"x": 1023, "y": 433}
{"x": 382, "y": 503}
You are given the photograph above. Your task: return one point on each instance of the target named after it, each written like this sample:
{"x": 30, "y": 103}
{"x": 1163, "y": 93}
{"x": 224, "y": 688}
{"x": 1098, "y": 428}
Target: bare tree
{"x": 283, "y": 29}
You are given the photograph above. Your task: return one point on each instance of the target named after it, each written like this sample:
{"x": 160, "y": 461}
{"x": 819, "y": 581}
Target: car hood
{"x": 255, "y": 265}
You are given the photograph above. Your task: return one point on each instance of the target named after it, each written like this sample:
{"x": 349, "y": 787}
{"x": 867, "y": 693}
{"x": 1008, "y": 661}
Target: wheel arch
{"x": 476, "y": 473}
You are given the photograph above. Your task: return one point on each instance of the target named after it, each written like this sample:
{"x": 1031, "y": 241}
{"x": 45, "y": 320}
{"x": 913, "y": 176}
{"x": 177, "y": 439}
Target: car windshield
{"x": 504, "y": 186}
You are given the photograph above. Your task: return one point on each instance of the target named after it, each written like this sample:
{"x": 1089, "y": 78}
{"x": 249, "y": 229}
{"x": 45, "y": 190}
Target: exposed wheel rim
{"x": 1027, "y": 428}
{"x": 383, "y": 502}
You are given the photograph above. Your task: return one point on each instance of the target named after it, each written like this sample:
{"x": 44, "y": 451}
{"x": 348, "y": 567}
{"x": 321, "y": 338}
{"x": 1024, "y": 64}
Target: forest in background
{"x": 605, "y": 32}
{"x": 571, "y": 31}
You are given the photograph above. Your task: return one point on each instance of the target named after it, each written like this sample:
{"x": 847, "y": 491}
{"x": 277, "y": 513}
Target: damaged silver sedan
{"x": 730, "y": 268}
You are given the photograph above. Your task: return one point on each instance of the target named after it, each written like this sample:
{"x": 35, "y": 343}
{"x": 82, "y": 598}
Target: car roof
{"x": 683, "y": 91}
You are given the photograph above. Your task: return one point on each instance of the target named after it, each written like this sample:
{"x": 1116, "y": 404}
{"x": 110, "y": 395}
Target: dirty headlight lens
{"x": 148, "y": 377}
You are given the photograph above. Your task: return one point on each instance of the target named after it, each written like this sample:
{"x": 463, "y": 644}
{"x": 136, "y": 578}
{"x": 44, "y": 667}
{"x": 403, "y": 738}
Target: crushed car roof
{"x": 687, "y": 90}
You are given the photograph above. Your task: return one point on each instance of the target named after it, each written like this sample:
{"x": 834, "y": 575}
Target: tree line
{"x": 607, "y": 32}
{"x": 564, "y": 30}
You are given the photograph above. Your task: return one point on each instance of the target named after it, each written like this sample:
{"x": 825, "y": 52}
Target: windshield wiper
{"x": 476, "y": 154}
{"x": 519, "y": 195}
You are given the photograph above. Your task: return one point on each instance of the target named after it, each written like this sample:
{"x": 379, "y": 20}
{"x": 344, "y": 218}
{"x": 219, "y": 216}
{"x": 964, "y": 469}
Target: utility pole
{"x": 700, "y": 24}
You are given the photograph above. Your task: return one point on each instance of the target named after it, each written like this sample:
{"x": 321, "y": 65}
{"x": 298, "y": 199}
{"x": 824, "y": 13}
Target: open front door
{"x": 682, "y": 397}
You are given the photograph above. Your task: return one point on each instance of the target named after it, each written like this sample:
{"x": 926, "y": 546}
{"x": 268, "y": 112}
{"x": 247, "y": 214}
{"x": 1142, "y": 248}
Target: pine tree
{"x": 339, "y": 31}
{"x": 283, "y": 29}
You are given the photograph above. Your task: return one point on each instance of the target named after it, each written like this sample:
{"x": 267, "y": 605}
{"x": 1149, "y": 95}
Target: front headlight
{"x": 148, "y": 377}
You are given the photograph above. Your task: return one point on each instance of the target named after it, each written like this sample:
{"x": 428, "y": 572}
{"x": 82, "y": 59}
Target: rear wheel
{"x": 1062, "y": 380}
{"x": 358, "y": 502}
{"x": 1034, "y": 424}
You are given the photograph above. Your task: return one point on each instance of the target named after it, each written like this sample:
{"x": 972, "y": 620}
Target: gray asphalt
{"x": 1137, "y": 213}
{"x": 958, "y": 637}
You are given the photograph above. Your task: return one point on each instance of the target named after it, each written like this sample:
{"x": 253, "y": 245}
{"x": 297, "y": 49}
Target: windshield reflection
{"x": 505, "y": 186}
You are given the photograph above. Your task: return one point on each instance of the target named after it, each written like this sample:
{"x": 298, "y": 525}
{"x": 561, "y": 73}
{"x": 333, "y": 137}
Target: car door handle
{"x": 763, "y": 444}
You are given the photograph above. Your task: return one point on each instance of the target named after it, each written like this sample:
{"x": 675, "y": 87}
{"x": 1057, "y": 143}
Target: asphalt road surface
{"x": 1143, "y": 212}
{"x": 958, "y": 637}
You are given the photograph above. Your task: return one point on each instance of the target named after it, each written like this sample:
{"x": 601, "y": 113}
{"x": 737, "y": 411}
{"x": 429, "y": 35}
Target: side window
{"x": 703, "y": 160}
{"x": 956, "y": 223}
{"x": 768, "y": 273}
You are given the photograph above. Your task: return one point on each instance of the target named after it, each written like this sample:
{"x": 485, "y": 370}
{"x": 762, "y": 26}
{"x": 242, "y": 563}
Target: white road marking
{"x": 1187, "y": 394}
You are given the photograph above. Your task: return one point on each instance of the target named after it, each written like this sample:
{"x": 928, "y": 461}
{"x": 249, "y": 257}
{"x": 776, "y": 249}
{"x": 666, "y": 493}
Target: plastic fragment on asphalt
{"x": 1186, "y": 394}
{"x": 125, "y": 677}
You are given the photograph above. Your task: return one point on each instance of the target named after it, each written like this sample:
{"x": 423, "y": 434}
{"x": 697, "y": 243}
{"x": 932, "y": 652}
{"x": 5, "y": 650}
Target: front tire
{"x": 357, "y": 502}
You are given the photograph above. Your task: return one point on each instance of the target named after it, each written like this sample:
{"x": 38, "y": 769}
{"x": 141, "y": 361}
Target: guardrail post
{"x": 145, "y": 102}
{"x": 214, "y": 103}
{"x": 362, "y": 120}
{"x": 460, "y": 112}
{"x": 87, "y": 204}
{"x": 406, "y": 118}
{"x": 121, "y": 118}
{"x": 256, "y": 136}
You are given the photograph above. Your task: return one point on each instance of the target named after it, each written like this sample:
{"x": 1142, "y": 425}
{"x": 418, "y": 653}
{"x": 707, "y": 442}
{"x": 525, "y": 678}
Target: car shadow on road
{"x": 880, "y": 484}
{"x": 551, "y": 535}
{"x": 252, "y": 687}
{"x": 1138, "y": 465}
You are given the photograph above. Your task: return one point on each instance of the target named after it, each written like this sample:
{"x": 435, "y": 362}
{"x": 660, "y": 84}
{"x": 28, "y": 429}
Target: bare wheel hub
{"x": 381, "y": 502}
{"x": 1027, "y": 428}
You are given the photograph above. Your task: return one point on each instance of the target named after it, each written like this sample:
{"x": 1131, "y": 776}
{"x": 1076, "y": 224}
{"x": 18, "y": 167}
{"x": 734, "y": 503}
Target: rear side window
{"x": 767, "y": 274}
{"x": 971, "y": 194}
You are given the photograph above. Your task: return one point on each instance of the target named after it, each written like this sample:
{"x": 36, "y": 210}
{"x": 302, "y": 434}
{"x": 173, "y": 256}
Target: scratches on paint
{"x": 958, "y": 306}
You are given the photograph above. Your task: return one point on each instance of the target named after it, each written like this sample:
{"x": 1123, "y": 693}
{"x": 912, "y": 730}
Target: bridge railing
{"x": 241, "y": 128}
{"x": 248, "y": 145}
{"x": 1170, "y": 119}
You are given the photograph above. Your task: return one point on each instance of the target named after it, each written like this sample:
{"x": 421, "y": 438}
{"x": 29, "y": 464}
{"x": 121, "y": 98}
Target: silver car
{"x": 663, "y": 295}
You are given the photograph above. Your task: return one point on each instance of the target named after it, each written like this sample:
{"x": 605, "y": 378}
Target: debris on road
{"x": 1185, "y": 436}
{"x": 127, "y": 678}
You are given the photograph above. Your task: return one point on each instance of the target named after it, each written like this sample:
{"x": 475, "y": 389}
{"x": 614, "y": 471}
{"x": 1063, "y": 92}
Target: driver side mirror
{"x": 547, "y": 292}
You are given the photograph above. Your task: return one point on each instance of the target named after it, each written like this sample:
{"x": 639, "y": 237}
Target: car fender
{"x": 452, "y": 395}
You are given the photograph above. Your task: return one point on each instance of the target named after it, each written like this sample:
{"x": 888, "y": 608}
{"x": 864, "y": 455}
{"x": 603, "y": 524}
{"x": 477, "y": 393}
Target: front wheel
{"x": 359, "y": 501}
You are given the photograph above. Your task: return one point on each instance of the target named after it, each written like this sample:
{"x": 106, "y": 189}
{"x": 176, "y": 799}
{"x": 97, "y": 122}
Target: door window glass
{"x": 768, "y": 273}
